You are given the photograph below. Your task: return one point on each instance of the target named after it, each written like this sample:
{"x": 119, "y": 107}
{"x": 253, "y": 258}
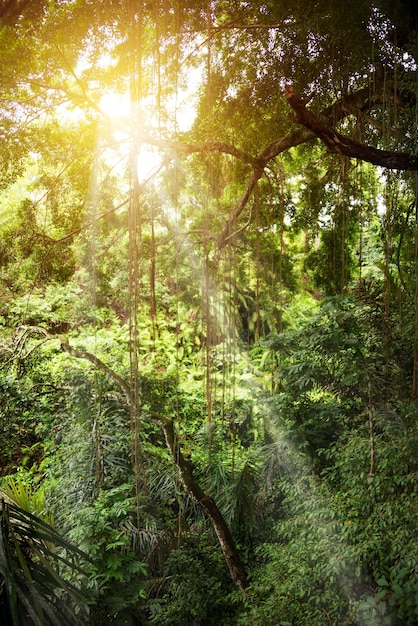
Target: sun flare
{"x": 180, "y": 109}
{"x": 118, "y": 109}
{"x": 115, "y": 105}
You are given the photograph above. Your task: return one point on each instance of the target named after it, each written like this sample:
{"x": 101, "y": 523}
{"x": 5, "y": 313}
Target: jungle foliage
{"x": 208, "y": 313}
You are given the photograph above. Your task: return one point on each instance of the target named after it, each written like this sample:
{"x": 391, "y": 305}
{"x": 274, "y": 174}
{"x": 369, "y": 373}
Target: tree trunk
{"x": 208, "y": 506}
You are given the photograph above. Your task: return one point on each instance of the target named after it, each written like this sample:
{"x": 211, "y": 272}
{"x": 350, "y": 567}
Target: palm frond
{"x": 17, "y": 489}
{"x": 37, "y": 566}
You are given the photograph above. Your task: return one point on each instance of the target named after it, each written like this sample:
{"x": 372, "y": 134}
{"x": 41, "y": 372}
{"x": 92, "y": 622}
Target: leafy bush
{"x": 194, "y": 586}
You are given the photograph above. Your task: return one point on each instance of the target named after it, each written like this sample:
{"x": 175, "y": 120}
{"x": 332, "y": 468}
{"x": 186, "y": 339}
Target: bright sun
{"x": 115, "y": 105}
{"x": 117, "y": 108}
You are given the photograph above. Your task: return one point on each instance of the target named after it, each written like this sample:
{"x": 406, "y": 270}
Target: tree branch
{"x": 11, "y": 10}
{"x": 178, "y": 147}
{"x": 352, "y": 103}
{"x": 80, "y": 353}
{"x": 337, "y": 143}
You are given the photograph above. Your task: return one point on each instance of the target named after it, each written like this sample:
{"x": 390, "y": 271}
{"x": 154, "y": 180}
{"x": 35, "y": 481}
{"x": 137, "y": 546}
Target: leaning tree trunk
{"x": 208, "y": 506}
{"x": 185, "y": 467}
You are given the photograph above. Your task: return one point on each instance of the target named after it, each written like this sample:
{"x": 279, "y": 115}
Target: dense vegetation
{"x": 208, "y": 313}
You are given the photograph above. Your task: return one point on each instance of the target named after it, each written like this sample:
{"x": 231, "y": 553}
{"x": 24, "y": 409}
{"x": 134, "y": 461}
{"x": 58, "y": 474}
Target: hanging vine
{"x": 414, "y": 393}
{"x": 134, "y": 225}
